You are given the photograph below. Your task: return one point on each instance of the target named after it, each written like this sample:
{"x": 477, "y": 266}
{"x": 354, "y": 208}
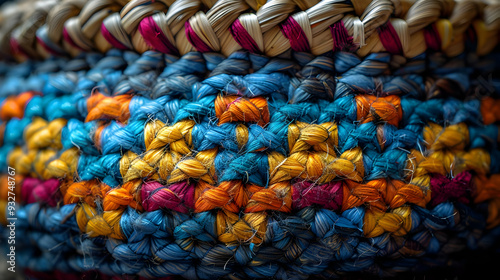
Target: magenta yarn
{"x": 294, "y": 33}
{"x": 444, "y": 189}
{"x": 111, "y": 39}
{"x": 241, "y": 36}
{"x": 178, "y": 197}
{"x": 328, "y": 196}
{"x": 35, "y": 190}
{"x": 390, "y": 38}
{"x": 195, "y": 40}
{"x": 68, "y": 39}
{"x": 154, "y": 37}
{"x": 341, "y": 39}
{"x": 432, "y": 38}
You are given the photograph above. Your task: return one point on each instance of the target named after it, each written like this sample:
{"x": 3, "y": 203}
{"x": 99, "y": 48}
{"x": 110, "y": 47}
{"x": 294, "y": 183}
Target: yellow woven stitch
{"x": 200, "y": 167}
{"x": 396, "y": 222}
{"x": 165, "y": 146}
{"x": 95, "y": 224}
{"x": 41, "y": 134}
{"x": 65, "y": 165}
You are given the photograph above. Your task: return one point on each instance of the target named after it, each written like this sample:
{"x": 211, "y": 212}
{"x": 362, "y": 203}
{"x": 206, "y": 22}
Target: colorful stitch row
{"x": 446, "y": 145}
{"x": 306, "y": 81}
{"x": 274, "y": 28}
{"x": 315, "y": 241}
{"x": 438, "y": 140}
{"x": 185, "y": 196}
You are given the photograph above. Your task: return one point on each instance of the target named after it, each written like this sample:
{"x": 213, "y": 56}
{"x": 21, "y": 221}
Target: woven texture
{"x": 249, "y": 139}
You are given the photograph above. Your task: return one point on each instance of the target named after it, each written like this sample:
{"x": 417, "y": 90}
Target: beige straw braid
{"x": 211, "y": 21}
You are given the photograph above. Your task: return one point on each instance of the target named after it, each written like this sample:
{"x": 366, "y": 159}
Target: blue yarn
{"x": 77, "y": 134}
{"x": 390, "y": 164}
{"x": 250, "y": 168}
{"x": 105, "y": 168}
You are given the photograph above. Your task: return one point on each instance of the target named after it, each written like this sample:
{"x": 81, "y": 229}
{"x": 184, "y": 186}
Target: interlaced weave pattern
{"x": 231, "y": 139}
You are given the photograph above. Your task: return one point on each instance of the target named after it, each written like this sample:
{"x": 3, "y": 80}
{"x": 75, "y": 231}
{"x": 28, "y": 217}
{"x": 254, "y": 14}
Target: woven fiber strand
{"x": 249, "y": 139}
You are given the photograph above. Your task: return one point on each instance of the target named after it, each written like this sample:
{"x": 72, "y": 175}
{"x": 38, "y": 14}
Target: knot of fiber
{"x": 200, "y": 167}
{"x": 328, "y": 196}
{"x": 454, "y": 137}
{"x": 154, "y": 164}
{"x": 380, "y": 86}
{"x": 55, "y": 227}
{"x": 177, "y": 136}
{"x": 384, "y": 137}
{"x": 240, "y": 138}
{"x": 33, "y": 162}
{"x": 420, "y": 167}
{"x": 97, "y": 223}
{"x": 249, "y": 167}
{"x": 397, "y": 222}
{"x": 486, "y": 188}
{"x": 35, "y": 190}
{"x": 147, "y": 234}
{"x": 458, "y": 111}
{"x": 390, "y": 164}
{"x": 78, "y": 134}
{"x": 192, "y": 63}
{"x": 284, "y": 113}
{"x": 313, "y": 81}
{"x": 327, "y": 223}
{"x": 277, "y": 197}
{"x": 163, "y": 108}
{"x": 233, "y": 229}
{"x": 303, "y": 137}
{"x": 114, "y": 137}
{"x": 147, "y": 61}
{"x": 42, "y": 134}
{"x": 228, "y": 195}
{"x": 13, "y": 106}
{"x": 241, "y": 109}
{"x": 65, "y": 165}
{"x": 484, "y": 136}
{"x": 382, "y": 194}
{"x": 126, "y": 195}
{"x": 178, "y": 196}
{"x": 342, "y": 109}
{"x": 289, "y": 234}
{"x": 101, "y": 107}
{"x": 105, "y": 168}
{"x": 444, "y": 189}
{"x": 14, "y": 129}
{"x": 348, "y": 165}
{"x": 372, "y": 65}
{"x": 379, "y": 109}
{"x": 86, "y": 191}
{"x": 490, "y": 110}
{"x": 62, "y": 107}
{"x": 197, "y": 110}
{"x": 443, "y": 216}
{"x": 193, "y": 234}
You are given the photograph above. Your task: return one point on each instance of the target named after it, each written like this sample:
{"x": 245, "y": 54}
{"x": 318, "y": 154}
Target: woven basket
{"x": 231, "y": 139}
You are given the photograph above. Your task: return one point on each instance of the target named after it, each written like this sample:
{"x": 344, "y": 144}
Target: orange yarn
{"x": 127, "y": 195}
{"x": 384, "y": 193}
{"x": 379, "y": 109}
{"x": 241, "y": 109}
{"x": 86, "y": 191}
{"x": 13, "y": 106}
{"x": 104, "y": 107}
{"x": 490, "y": 110}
